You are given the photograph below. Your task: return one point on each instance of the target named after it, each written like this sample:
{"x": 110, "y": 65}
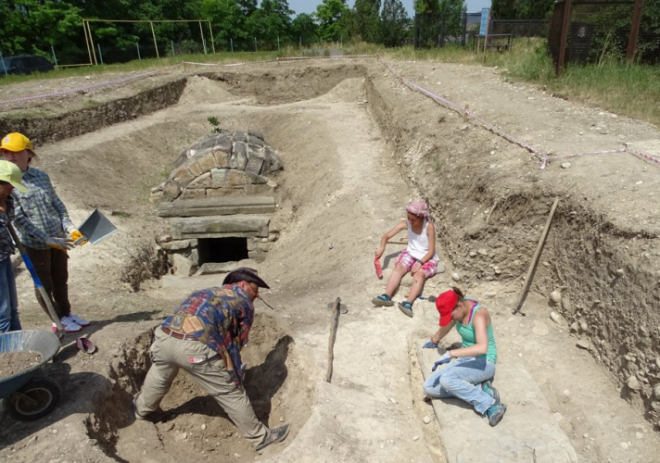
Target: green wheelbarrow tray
{"x": 31, "y": 395}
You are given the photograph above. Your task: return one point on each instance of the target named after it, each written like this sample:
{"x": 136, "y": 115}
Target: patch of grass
{"x": 611, "y": 84}
{"x": 145, "y": 65}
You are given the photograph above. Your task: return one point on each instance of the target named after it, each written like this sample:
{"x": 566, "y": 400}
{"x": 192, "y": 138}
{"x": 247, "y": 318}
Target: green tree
{"x": 271, "y": 21}
{"x": 394, "y": 23}
{"x": 333, "y": 17}
{"x": 521, "y": 9}
{"x": 366, "y": 21}
{"x": 304, "y": 29}
{"x": 427, "y": 6}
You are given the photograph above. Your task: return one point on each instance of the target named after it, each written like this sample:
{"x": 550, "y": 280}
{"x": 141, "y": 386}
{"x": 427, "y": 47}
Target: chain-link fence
{"x": 439, "y": 29}
{"x": 521, "y": 28}
{"x": 600, "y": 31}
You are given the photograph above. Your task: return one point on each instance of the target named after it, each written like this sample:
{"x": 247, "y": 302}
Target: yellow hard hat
{"x": 10, "y": 173}
{"x": 16, "y": 142}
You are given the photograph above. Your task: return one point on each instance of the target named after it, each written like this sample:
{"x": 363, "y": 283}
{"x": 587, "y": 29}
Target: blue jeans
{"x": 462, "y": 379}
{"x": 8, "y": 300}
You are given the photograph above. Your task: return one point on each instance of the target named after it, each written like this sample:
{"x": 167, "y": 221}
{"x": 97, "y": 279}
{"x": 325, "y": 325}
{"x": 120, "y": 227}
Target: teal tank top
{"x": 470, "y": 339}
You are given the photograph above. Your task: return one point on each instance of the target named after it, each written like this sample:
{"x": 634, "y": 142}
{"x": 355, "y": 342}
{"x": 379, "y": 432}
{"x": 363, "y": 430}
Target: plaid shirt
{"x": 40, "y": 213}
{"x": 221, "y": 318}
{"x": 6, "y": 243}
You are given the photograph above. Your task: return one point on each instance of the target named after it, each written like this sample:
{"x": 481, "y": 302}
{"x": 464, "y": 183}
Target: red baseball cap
{"x": 445, "y": 304}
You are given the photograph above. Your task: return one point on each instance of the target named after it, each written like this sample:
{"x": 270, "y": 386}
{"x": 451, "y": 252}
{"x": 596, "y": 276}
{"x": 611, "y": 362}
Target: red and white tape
{"x": 544, "y": 157}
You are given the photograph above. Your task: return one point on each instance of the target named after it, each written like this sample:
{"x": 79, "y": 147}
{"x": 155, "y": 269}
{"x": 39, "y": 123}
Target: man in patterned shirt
{"x": 10, "y": 178}
{"x": 45, "y": 229}
{"x": 204, "y": 337}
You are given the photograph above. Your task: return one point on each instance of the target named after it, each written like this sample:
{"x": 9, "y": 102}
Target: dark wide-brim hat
{"x": 245, "y": 274}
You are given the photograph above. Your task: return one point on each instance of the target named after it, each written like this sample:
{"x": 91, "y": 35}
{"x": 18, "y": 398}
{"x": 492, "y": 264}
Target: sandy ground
{"x": 343, "y": 186}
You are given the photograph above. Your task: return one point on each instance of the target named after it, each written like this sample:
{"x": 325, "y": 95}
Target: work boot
{"x": 135, "y": 408}
{"x": 496, "y": 413}
{"x": 488, "y": 388}
{"x": 276, "y": 436}
{"x": 382, "y": 301}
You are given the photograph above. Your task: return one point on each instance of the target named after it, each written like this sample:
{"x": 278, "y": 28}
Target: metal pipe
{"x": 89, "y": 52}
{"x": 154, "y": 36}
{"x": 91, "y": 42}
{"x": 211, "y": 34}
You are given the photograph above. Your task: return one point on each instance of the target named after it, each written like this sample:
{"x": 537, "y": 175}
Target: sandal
{"x": 382, "y": 301}
{"x": 406, "y": 308}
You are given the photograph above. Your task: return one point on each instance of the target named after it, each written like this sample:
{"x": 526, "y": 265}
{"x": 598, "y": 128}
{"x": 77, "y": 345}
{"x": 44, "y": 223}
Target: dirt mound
{"x": 285, "y": 85}
{"x": 202, "y": 90}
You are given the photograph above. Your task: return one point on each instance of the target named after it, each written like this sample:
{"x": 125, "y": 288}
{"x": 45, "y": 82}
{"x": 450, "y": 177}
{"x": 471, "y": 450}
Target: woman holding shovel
{"x": 44, "y": 228}
{"x": 419, "y": 258}
{"x": 10, "y": 178}
{"x": 469, "y": 377}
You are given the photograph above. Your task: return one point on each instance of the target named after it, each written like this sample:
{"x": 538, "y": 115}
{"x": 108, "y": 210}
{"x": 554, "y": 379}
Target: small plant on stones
{"x": 145, "y": 262}
{"x": 215, "y": 123}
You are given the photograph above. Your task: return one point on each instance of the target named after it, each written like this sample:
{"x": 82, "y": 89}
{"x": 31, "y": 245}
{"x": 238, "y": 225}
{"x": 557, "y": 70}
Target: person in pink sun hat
{"x": 419, "y": 258}
{"x": 45, "y": 229}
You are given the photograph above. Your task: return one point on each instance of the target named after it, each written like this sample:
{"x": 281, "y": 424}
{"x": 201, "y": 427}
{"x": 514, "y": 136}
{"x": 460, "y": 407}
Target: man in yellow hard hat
{"x": 10, "y": 178}
{"x": 44, "y": 228}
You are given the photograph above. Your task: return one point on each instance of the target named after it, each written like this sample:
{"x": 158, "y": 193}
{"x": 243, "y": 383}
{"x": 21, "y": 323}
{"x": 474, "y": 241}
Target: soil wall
{"x": 72, "y": 124}
{"x": 491, "y": 202}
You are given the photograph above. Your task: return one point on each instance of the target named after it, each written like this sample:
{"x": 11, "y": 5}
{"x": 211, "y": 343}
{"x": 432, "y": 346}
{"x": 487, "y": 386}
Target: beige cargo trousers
{"x": 208, "y": 370}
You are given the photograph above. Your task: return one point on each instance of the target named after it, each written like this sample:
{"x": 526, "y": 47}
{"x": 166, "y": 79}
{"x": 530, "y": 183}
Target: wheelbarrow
{"x": 29, "y": 395}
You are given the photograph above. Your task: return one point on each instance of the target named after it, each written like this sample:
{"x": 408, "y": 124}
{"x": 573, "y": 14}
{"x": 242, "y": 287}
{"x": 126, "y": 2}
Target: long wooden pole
{"x": 634, "y": 30}
{"x": 331, "y": 341}
{"x": 154, "y": 36}
{"x": 563, "y": 40}
{"x": 535, "y": 259}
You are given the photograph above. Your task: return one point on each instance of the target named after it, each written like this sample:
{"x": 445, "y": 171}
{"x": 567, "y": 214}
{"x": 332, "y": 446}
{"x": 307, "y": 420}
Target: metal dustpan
{"x": 97, "y": 227}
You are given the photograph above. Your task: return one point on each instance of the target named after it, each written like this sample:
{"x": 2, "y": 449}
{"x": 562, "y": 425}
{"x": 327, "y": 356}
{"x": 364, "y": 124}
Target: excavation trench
{"x": 488, "y": 222}
{"x": 191, "y": 421}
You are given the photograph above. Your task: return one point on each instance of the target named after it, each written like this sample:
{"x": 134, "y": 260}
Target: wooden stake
{"x": 535, "y": 260}
{"x": 331, "y": 341}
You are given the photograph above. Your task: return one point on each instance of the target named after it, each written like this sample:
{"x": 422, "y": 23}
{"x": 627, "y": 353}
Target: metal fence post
{"x": 54, "y": 57}
{"x": 231, "y": 43}
{"x": 137, "y": 44}
{"x": 172, "y": 42}
{"x": 256, "y": 48}
{"x": 278, "y": 43}
{"x": 100, "y": 54}
{"x": 4, "y": 68}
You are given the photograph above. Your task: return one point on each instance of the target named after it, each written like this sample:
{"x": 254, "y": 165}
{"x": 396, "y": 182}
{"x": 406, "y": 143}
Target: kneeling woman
{"x": 469, "y": 377}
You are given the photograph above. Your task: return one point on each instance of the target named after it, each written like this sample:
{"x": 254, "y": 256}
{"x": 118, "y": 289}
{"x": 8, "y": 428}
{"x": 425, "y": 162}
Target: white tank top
{"x": 418, "y": 245}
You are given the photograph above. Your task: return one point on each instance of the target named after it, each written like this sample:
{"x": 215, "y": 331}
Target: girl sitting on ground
{"x": 419, "y": 258}
{"x": 469, "y": 377}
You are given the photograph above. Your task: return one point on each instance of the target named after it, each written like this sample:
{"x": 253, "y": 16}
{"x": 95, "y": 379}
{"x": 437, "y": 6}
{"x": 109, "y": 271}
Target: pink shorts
{"x": 429, "y": 268}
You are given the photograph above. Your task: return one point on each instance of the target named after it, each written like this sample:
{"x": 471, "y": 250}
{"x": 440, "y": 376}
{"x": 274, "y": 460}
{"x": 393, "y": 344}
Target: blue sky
{"x": 309, "y": 6}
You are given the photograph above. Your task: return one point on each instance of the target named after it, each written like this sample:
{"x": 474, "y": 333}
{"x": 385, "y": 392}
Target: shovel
{"x": 83, "y": 344}
{"x": 37, "y": 282}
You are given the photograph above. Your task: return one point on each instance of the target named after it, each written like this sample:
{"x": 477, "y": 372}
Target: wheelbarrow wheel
{"x": 35, "y": 400}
